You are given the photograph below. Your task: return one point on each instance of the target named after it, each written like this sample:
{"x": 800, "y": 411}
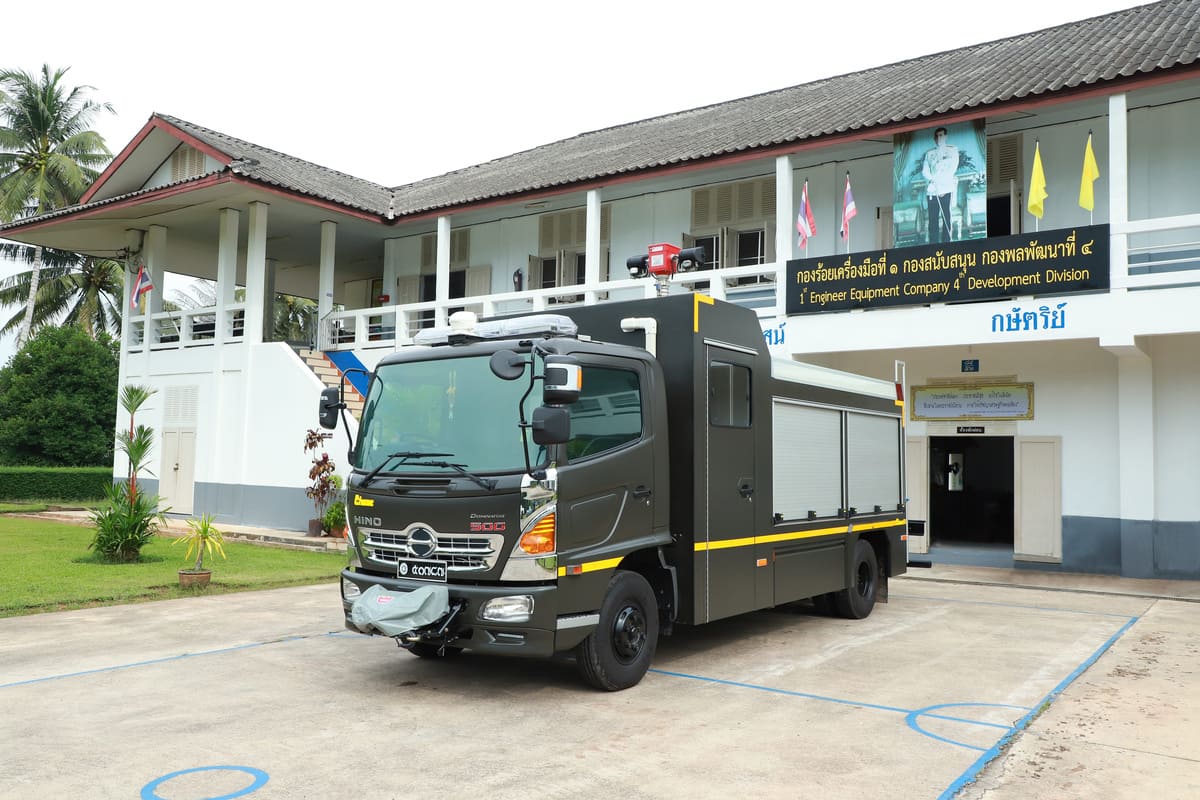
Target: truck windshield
{"x": 450, "y": 410}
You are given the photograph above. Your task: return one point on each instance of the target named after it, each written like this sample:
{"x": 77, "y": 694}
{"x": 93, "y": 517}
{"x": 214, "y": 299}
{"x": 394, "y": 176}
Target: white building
{"x": 1051, "y": 390}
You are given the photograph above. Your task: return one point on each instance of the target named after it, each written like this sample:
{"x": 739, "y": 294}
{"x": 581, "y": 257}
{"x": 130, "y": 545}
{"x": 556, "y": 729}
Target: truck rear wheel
{"x": 857, "y": 600}
{"x": 617, "y": 654}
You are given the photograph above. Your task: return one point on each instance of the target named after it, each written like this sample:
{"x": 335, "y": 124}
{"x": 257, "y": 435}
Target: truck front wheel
{"x": 857, "y": 600}
{"x": 617, "y": 654}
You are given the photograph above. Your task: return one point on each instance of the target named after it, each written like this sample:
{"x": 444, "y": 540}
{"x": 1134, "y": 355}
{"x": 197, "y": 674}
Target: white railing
{"x": 187, "y": 328}
{"x": 390, "y": 326}
{"x": 1161, "y": 252}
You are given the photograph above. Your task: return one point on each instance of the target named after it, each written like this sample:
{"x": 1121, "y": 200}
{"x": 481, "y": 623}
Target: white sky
{"x": 398, "y": 92}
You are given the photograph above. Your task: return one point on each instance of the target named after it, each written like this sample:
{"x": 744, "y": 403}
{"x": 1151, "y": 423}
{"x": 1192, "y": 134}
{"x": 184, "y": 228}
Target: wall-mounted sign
{"x": 969, "y": 429}
{"x": 975, "y": 401}
{"x": 1034, "y": 263}
{"x": 970, "y": 365}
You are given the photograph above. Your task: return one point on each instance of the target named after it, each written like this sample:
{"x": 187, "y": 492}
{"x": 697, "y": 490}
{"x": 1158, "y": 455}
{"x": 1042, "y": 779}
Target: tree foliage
{"x": 48, "y": 153}
{"x": 58, "y": 400}
{"x": 73, "y": 290}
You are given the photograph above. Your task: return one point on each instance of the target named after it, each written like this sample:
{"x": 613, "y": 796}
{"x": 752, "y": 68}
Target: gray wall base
{"x": 1131, "y": 548}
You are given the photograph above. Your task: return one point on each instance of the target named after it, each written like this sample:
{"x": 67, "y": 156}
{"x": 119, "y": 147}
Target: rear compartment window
{"x": 728, "y": 395}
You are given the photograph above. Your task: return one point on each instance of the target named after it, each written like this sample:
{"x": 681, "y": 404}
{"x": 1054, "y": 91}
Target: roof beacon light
{"x": 663, "y": 260}
{"x": 514, "y": 327}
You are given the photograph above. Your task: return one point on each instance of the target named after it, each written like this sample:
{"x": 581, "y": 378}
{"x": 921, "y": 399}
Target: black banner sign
{"x": 1035, "y": 263}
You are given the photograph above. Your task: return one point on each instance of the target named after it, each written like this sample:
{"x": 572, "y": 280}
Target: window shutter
{"x": 605, "y": 223}
{"x": 479, "y": 281}
{"x": 534, "y": 273}
{"x": 766, "y": 189}
{"x": 745, "y": 194}
{"x": 1003, "y": 161}
{"x": 702, "y": 208}
{"x": 408, "y": 289}
{"x": 428, "y": 253}
{"x": 724, "y": 203}
{"x": 460, "y": 247}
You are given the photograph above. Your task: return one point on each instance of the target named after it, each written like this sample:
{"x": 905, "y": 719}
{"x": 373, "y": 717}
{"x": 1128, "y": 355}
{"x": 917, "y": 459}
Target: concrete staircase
{"x": 324, "y": 369}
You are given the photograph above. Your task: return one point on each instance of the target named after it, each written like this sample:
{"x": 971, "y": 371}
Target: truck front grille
{"x": 460, "y": 552}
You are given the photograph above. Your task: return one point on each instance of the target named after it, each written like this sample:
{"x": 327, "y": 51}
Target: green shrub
{"x": 60, "y": 483}
{"x": 126, "y": 524}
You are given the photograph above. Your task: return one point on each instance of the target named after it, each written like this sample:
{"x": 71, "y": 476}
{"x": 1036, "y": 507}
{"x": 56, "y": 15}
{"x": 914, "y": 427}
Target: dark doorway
{"x": 971, "y": 490}
{"x": 458, "y": 288}
{"x": 999, "y": 215}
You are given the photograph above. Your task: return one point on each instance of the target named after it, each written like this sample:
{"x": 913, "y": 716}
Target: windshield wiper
{"x": 486, "y": 483}
{"x": 405, "y": 455}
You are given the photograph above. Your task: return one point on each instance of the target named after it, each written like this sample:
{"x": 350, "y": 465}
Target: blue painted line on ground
{"x": 910, "y": 714}
{"x": 973, "y": 771}
{"x": 153, "y": 661}
{"x": 1011, "y": 605}
{"x": 149, "y": 791}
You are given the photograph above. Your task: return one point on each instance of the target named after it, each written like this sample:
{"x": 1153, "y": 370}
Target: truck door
{"x": 607, "y": 488}
{"x": 731, "y": 489}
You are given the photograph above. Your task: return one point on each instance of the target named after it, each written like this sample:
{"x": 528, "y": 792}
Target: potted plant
{"x": 335, "y": 519}
{"x": 324, "y": 486}
{"x": 202, "y": 536}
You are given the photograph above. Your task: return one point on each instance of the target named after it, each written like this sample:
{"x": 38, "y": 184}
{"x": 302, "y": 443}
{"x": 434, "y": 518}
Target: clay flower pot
{"x": 189, "y": 578}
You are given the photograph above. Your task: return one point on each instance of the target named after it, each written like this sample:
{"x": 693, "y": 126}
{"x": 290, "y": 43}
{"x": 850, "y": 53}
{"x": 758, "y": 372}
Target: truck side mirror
{"x": 328, "y": 407}
{"x": 562, "y": 382}
{"x": 507, "y": 365}
{"x": 551, "y": 425}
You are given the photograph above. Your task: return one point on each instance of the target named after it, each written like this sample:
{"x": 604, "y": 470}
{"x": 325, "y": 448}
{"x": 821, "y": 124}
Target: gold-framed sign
{"x": 972, "y": 401}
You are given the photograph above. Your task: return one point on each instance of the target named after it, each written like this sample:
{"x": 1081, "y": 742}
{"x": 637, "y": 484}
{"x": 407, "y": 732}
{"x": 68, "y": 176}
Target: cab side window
{"x": 608, "y": 413}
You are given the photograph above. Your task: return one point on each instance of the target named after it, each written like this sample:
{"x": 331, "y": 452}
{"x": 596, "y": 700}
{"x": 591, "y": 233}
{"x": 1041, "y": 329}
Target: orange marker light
{"x": 539, "y": 540}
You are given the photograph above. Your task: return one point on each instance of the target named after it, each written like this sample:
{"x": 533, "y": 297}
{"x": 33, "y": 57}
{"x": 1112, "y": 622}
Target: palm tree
{"x": 73, "y": 290}
{"x": 48, "y": 153}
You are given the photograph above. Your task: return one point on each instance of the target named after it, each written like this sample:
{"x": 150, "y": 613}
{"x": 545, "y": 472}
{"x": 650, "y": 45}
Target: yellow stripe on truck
{"x": 592, "y": 566}
{"x": 770, "y": 538}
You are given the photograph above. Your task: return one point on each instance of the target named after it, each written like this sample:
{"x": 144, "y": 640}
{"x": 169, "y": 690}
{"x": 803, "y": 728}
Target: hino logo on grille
{"x": 421, "y": 542}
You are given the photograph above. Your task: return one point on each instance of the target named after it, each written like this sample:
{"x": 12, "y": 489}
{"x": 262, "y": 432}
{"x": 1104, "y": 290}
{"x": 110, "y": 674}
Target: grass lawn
{"x": 47, "y": 566}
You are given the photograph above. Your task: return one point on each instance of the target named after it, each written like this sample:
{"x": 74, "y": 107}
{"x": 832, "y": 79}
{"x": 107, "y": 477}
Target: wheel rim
{"x": 866, "y": 580}
{"x": 629, "y": 633}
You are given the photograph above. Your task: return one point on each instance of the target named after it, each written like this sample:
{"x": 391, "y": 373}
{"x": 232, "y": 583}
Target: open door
{"x": 1038, "y": 514}
{"x": 916, "y": 473}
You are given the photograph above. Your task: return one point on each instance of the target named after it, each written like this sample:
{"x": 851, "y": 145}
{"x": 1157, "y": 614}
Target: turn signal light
{"x": 539, "y": 540}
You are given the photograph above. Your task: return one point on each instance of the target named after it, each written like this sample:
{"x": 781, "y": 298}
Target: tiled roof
{"x": 1127, "y": 43}
{"x": 279, "y": 169}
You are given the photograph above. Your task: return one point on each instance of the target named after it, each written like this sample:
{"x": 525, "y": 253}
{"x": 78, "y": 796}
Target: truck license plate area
{"x": 421, "y": 569}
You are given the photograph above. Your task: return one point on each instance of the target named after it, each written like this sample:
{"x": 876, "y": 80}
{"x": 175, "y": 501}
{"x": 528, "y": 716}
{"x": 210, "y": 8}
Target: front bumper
{"x": 536, "y": 638}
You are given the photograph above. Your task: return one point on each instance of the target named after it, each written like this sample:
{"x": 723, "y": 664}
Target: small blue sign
{"x": 970, "y": 365}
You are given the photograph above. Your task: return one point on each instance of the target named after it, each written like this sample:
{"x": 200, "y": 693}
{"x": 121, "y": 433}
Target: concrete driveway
{"x": 264, "y": 695}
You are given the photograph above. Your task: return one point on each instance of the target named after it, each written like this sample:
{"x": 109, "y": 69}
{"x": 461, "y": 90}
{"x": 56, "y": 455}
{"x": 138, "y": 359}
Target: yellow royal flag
{"x": 1087, "y": 197}
{"x": 1037, "y": 184}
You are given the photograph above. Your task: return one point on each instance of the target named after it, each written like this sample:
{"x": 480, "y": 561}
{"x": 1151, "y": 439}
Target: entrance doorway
{"x": 971, "y": 491}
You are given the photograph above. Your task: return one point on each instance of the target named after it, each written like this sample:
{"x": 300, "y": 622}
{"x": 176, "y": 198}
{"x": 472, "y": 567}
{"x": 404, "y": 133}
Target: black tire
{"x": 427, "y": 650}
{"x": 857, "y": 600}
{"x": 617, "y": 654}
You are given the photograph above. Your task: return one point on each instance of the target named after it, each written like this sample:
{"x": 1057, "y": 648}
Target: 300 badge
{"x": 421, "y": 569}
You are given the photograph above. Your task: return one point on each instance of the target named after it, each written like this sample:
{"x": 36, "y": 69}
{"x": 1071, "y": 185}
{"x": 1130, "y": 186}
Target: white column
{"x": 784, "y": 213}
{"x": 391, "y": 268}
{"x": 591, "y": 245}
{"x": 325, "y": 281}
{"x": 1118, "y": 190}
{"x": 226, "y": 272}
{"x": 1135, "y": 437}
{"x": 442, "y": 289}
{"x": 256, "y": 273}
{"x": 154, "y": 255}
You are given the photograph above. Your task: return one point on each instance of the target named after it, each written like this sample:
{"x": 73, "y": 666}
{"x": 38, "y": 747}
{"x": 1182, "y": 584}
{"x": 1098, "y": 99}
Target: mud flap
{"x": 398, "y": 613}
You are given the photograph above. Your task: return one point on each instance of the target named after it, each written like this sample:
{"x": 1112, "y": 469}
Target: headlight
{"x": 514, "y": 608}
{"x": 350, "y": 590}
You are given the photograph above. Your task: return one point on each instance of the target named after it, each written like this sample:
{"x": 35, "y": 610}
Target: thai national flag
{"x": 848, "y": 209}
{"x": 806, "y": 226}
{"x": 141, "y": 285}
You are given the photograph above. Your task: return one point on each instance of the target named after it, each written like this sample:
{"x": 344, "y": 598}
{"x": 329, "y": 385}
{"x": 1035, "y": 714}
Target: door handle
{"x": 745, "y": 490}
{"x": 641, "y": 492}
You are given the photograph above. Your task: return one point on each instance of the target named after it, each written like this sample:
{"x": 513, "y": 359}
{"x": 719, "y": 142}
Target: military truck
{"x": 667, "y": 472}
